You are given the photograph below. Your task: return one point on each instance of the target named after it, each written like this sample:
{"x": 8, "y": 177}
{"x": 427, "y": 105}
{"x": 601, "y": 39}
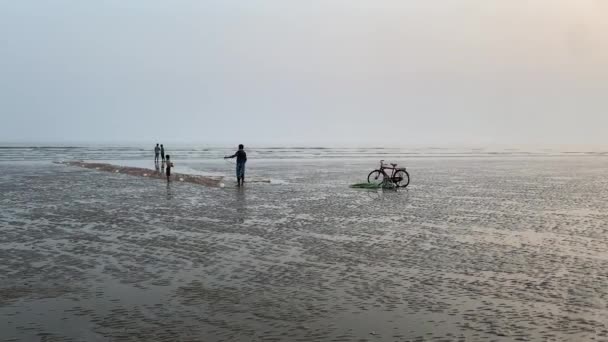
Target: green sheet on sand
{"x": 385, "y": 185}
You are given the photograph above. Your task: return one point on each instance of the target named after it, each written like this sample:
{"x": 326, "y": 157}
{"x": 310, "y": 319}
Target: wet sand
{"x": 475, "y": 250}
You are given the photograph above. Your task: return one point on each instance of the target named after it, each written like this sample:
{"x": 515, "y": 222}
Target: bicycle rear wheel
{"x": 401, "y": 178}
{"x": 376, "y": 177}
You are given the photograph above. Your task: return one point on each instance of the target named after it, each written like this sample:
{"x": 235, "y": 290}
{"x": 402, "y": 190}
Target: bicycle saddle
{"x": 394, "y": 165}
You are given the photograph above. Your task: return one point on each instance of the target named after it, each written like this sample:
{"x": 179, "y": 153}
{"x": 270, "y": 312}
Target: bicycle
{"x": 399, "y": 177}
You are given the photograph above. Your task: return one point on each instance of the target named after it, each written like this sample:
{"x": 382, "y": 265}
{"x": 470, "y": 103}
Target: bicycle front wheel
{"x": 401, "y": 178}
{"x": 375, "y": 177}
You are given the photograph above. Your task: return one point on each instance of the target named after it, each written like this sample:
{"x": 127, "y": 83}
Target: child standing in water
{"x": 169, "y": 166}
{"x": 241, "y": 159}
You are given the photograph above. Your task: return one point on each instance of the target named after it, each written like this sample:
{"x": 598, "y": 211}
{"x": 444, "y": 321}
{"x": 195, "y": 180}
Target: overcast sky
{"x": 413, "y": 72}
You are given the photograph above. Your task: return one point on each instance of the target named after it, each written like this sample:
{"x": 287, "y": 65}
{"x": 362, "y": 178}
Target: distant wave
{"x": 294, "y": 148}
{"x": 31, "y": 152}
{"x": 39, "y": 147}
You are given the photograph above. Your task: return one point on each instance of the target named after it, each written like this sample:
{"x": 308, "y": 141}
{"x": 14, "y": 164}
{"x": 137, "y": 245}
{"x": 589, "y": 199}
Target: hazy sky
{"x": 414, "y": 72}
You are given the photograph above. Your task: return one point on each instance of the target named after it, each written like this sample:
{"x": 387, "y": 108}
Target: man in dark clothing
{"x": 156, "y": 152}
{"x": 162, "y": 152}
{"x": 241, "y": 159}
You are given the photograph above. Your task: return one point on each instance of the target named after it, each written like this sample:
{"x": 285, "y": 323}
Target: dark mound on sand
{"x": 141, "y": 172}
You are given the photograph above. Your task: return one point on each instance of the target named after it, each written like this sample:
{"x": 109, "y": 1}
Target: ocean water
{"x": 485, "y": 244}
{"x": 23, "y": 152}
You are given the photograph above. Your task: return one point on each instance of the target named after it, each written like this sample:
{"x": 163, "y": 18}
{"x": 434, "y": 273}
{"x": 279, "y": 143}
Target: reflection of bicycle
{"x": 388, "y": 195}
{"x": 399, "y": 176}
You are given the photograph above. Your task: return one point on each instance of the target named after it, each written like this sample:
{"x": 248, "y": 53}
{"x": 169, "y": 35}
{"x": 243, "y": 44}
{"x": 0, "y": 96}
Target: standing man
{"x": 156, "y": 152}
{"x": 241, "y": 159}
{"x": 162, "y": 152}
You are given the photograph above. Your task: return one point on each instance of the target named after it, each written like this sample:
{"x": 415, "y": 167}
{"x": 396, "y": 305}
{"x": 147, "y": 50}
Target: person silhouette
{"x": 156, "y": 153}
{"x": 241, "y": 159}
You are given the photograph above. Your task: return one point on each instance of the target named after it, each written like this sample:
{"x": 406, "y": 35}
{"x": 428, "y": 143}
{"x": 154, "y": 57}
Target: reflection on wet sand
{"x": 385, "y": 194}
{"x": 241, "y": 204}
{"x": 169, "y": 192}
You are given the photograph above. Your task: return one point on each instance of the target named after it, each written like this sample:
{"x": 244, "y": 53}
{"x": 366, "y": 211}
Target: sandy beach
{"x": 478, "y": 248}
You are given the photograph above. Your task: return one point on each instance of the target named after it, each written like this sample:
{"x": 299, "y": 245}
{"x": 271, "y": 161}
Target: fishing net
{"x": 137, "y": 171}
{"x": 382, "y": 185}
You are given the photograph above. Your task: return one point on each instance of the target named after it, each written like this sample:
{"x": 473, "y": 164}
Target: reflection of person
{"x": 241, "y": 159}
{"x": 241, "y": 205}
{"x": 169, "y": 192}
{"x": 169, "y": 166}
{"x": 156, "y": 152}
{"x": 162, "y": 152}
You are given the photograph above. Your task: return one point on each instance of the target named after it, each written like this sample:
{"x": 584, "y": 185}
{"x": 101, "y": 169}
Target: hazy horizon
{"x": 462, "y": 147}
{"x": 321, "y": 72}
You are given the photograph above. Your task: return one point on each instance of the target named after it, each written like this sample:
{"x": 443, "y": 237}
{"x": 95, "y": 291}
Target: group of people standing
{"x": 166, "y": 160}
{"x": 240, "y": 155}
{"x": 159, "y": 151}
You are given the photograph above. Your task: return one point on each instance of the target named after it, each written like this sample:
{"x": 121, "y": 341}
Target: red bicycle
{"x": 399, "y": 176}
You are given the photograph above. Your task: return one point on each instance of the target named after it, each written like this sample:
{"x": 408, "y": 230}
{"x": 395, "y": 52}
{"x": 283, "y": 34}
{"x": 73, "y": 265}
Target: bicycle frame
{"x": 392, "y": 176}
{"x": 393, "y": 167}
